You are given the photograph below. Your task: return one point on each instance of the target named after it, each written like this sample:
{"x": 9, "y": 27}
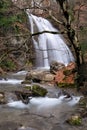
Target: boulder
{"x": 2, "y": 98}
{"x": 24, "y": 95}
{"x": 66, "y": 75}
{"x": 27, "y": 92}
{"x": 38, "y": 91}
{"x": 55, "y": 66}
{"x": 39, "y": 76}
{"x": 75, "y": 120}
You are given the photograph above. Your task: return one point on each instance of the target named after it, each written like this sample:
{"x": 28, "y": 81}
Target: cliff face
{"x": 16, "y": 48}
{"x": 15, "y": 42}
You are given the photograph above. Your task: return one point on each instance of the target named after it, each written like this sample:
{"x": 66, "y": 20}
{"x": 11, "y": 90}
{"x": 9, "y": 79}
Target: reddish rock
{"x": 66, "y": 75}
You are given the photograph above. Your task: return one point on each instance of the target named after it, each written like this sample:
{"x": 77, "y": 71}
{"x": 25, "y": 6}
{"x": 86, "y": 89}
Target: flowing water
{"x": 48, "y": 47}
{"x": 41, "y": 113}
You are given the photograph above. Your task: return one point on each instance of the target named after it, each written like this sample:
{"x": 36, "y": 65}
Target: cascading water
{"x": 49, "y": 47}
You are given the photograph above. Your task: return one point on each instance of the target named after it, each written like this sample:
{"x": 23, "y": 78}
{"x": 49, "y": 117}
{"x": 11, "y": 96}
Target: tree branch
{"x": 51, "y": 32}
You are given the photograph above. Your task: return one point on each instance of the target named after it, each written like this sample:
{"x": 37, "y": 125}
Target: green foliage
{"x": 7, "y": 64}
{"x": 6, "y": 21}
{"x": 4, "y": 4}
{"x": 9, "y": 20}
{"x": 8, "y": 17}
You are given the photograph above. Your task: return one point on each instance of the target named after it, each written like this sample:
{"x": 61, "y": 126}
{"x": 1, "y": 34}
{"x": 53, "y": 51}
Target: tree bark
{"x": 71, "y": 33}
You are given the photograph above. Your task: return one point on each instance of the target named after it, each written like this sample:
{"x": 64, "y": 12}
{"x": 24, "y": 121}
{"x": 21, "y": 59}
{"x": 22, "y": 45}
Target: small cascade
{"x": 49, "y": 47}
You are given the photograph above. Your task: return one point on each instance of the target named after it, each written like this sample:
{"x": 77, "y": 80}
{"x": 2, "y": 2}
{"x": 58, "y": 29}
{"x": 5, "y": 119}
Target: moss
{"x": 75, "y": 120}
{"x": 83, "y": 102}
{"x": 70, "y": 85}
{"x": 38, "y": 91}
{"x": 28, "y": 88}
{"x": 67, "y": 72}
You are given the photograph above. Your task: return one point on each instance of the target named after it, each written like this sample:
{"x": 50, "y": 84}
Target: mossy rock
{"x": 28, "y": 87}
{"x": 67, "y": 72}
{"x": 61, "y": 85}
{"x": 26, "y": 82}
{"x": 75, "y": 120}
{"x": 38, "y": 91}
{"x": 83, "y": 102}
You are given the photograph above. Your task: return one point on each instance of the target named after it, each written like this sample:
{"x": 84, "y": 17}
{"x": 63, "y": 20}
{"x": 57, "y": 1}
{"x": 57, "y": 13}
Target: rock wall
{"x": 16, "y": 48}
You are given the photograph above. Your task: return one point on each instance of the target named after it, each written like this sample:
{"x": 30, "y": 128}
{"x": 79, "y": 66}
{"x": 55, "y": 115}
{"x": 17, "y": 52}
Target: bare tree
{"x": 69, "y": 14}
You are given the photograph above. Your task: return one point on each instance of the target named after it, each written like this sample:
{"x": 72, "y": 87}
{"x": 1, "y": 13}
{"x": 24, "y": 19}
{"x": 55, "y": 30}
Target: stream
{"x": 41, "y": 113}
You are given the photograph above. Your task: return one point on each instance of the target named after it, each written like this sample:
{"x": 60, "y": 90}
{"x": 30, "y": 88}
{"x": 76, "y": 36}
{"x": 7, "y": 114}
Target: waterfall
{"x": 49, "y": 47}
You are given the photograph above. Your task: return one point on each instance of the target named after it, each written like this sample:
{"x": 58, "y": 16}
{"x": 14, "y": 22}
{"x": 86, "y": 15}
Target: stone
{"x": 2, "y": 98}
{"x": 39, "y": 76}
{"x": 24, "y": 95}
{"x": 28, "y": 92}
{"x": 75, "y": 120}
{"x": 66, "y": 75}
{"x": 38, "y": 91}
{"x": 55, "y": 66}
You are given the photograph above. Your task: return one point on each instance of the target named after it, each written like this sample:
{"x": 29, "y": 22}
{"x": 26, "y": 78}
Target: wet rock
{"x": 2, "y": 98}
{"x": 23, "y": 95}
{"x": 66, "y": 75}
{"x": 83, "y": 102}
{"x": 30, "y": 91}
{"x": 26, "y": 82}
{"x": 38, "y": 91}
{"x": 83, "y": 107}
{"x": 55, "y": 66}
{"x": 66, "y": 94}
{"x": 75, "y": 120}
{"x": 39, "y": 76}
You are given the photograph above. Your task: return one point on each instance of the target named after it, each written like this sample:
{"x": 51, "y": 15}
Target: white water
{"x": 49, "y": 47}
{"x": 42, "y": 103}
{"x": 14, "y": 80}
{"x": 20, "y": 73}
{"x": 10, "y": 81}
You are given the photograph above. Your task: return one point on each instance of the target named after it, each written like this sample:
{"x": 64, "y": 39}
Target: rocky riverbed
{"x": 41, "y": 113}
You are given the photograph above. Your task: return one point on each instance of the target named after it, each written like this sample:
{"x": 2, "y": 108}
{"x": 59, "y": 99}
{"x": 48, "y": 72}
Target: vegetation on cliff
{"x": 14, "y": 40}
